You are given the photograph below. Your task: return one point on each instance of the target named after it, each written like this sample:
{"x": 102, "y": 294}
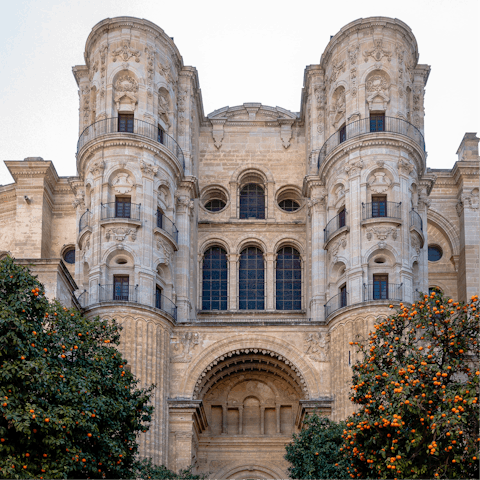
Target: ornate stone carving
{"x": 126, "y": 86}
{"x": 315, "y": 202}
{"x": 320, "y": 96}
{"x": 337, "y": 68}
{"x": 338, "y": 107}
{"x": 79, "y": 199}
{"x": 166, "y": 251}
{"x": 353, "y": 79}
{"x": 404, "y": 166}
{"x": 85, "y": 101}
{"x": 93, "y": 70}
{"x": 316, "y": 346}
{"x": 183, "y": 345}
{"x": 182, "y": 98}
{"x": 377, "y": 52}
{"x": 163, "y": 109}
{"x": 122, "y": 183}
{"x": 148, "y": 169}
{"x": 424, "y": 201}
{"x": 121, "y": 233}
{"x": 286, "y": 132}
{"x": 353, "y": 53}
{"x": 97, "y": 167}
{"x": 335, "y": 248}
{"x": 415, "y": 242}
{"x": 400, "y": 51}
{"x": 378, "y": 87}
{"x": 379, "y": 182}
{"x": 125, "y": 52}
{"x": 166, "y": 73}
{"x": 184, "y": 204}
{"x": 381, "y": 233}
{"x": 353, "y": 167}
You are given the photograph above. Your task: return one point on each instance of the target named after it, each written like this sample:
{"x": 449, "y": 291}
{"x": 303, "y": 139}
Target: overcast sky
{"x": 248, "y": 51}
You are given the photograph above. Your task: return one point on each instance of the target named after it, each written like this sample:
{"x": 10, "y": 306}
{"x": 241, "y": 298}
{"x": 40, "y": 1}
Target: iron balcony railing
{"x": 416, "y": 220}
{"x": 84, "y": 220}
{"x": 367, "y": 126}
{"x": 127, "y": 293}
{"x": 108, "y": 126}
{"x": 335, "y": 303}
{"x": 336, "y": 223}
{"x": 382, "y": 291}
{"x": 167, "y": 225}
{"x": 381, "y": 210}
{"x": 120, "y": 210}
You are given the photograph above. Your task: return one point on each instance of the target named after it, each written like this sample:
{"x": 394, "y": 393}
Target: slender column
{"x": 277, "y": 408}
{"x": 224, "y": 418}
{"x": 240, "y": 420}
{"x": 232, "y": 283}
{"x": 269, "y": 287}
{"x": 262, "y": 420}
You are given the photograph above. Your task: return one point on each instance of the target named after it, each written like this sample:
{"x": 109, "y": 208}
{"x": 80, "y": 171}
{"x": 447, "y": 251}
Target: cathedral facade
{"x": 243, "y": 250}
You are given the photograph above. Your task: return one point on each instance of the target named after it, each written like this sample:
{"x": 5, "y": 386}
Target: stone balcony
{"x": 364, "y": 128}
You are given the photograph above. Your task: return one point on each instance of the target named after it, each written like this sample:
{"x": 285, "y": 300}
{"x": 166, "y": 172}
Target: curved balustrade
{"x": 416, "y": 220}
{"x": 120, "y": 210}
{"x": 336, "y": 223}
{"x": 379, "y": 291}
{"x": 84, "y": 221}
{"x": 108, "y": 126}
{"x": 336, "y": 302}
{"x": 167, "y": 225}
{"x": 366, "y": 126}
{"x": 381, "y": 210}
{"x": 127, "y": 293}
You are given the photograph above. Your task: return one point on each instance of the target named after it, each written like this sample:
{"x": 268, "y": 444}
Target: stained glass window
{"x": 252, "y": 201}
{"x": 288, "y": 280}
{"x": 214, "y": 281}
{"x": 251, "y": 282}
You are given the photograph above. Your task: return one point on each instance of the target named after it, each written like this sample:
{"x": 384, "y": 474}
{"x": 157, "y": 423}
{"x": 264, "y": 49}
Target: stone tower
{"x": 244, "y": 250}
{"x": 137, "y": 179}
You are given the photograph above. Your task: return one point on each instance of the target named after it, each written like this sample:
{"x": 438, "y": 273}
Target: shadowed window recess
{"x": 288, "y": 280}
{"x": 214, "y": 279}
{"x": 251, "y": 284}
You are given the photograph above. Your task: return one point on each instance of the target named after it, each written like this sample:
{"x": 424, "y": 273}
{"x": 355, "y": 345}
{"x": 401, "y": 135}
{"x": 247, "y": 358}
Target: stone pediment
{"x": 249, "y": 115}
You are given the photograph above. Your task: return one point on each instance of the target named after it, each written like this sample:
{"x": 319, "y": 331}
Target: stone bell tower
{"x": 135, "y": 194}
{"x": 366, "y": 179}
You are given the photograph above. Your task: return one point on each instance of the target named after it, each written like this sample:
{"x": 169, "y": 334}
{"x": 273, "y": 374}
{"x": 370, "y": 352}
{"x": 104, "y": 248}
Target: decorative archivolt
{"x": 447, "y": 228}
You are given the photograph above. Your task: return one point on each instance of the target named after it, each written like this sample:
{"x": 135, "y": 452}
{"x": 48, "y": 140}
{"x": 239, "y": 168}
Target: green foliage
{"x": 417, "y": 389}
{"x": 315, "y": 451}
{"x": 146, "y": 470}
{"x": 68, "y": 406}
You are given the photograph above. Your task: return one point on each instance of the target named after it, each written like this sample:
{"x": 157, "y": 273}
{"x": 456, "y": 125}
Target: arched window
{"x": 251, "y": 282}
{"x": 214, "y": 281}
{"x": 252, "y": 201}
{"x": 288, "y": 280}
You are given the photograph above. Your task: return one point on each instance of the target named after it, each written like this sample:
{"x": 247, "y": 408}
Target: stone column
{"x": 240, "y": 420}
{"x": 184, "y": 210}
{"x": 224, "y": 419}
{"x": 270, "y": 281}
{"x": 232, "y": 280}
{"x": 277, "y": 410}
{"x": 262, "y": 420}
{"x": 317, "y": 215}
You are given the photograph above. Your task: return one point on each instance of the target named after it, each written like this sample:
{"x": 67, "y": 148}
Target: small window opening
{"x": 343, "y": 296}
{"x": 123, "y": 207}
{"x": 158, "y": 297}
{"x": 342, "y": 218}
{"x": 342, "y": 133}
{"x": 379, "y": 206}
{"x": 215, "y": 205}
{"x": 121, "y": 261}
{"x": 380, "y": 287}
{"x": 379, "y": 260}
{"x": 125, "y": 122}
{"x": 161, "y": 134}
{"x": 120, "y": 287}
{"x": 69, "y": 256}
{"x": 289, "y": 205}
{"x": 377, "y": 122}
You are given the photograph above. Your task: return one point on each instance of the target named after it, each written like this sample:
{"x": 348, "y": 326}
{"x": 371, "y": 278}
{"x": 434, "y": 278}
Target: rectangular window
{"x": 377, "y": 122}
{"x": 123, "y": 207}
{"x": 380, "y": 287}
{"x": 379, "y": 206}
{"x": 160, "y": 135}
{"x": 125, "y": 122}
{"x": 120, "y": 287}
{"x": 343, "y": 296}
{"x": 159, "y": 218}
{"x": 341, "y": 219}
{"x": 158, "y": 297}
{"x": 343, "y": 133}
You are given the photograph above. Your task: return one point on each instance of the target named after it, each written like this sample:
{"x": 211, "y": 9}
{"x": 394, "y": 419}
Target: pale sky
{"x": 248, "y": 51}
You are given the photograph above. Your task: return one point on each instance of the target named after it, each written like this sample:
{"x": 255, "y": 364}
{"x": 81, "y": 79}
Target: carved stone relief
{"x": 379, "y": 182}
{"x": 381, "y": 233}
{"x": 119, "y": 234}
{"x": 126, "y": 88}
{"x": 335, "y": 248}
{"x": 125, "y": 52}
{"x": 378, "y": 90}
{"x": 377, "y": 52}
{"x": 148, "y": 169}
{"x": 415, "y": 242}
{"x": 166, "y": 251}
{"x": 183, "y": 346}
{"x": 353, "y": 167}
{"x": 316, "y": 346}
{"x": 97, "y": 167}
{"x": 122, "y": 183}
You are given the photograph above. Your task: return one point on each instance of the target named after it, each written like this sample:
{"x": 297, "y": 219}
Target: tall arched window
{"x": 251, "y": 282}
{"x": 214, "y": 281}
{"x": 288, "y": 280}
{"x": 252, "y": 201}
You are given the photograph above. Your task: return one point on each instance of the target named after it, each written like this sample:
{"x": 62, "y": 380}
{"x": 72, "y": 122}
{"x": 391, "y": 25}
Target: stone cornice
{"x": 34, "y": 169}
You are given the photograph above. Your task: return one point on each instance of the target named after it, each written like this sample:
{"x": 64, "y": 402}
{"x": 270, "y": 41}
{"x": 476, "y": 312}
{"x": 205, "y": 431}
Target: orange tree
{"x": 68, "y": 406}
{"x": 417, "y": 389}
